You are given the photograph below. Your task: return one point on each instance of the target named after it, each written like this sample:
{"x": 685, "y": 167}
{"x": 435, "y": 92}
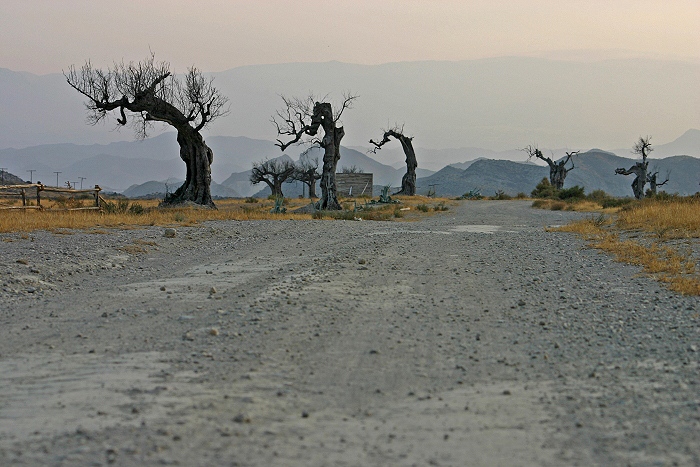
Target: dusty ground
{"x": 472, "y": 337}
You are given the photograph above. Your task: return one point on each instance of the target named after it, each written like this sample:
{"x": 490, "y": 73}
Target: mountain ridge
{"x": 484, "y": 102}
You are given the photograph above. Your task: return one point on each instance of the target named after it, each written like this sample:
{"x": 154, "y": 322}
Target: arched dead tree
{"x": 301, "y": 120}
{"x": 153, "y": 94}
{"x": 273, "y": 172}
{"x": 557, "y": 169}
{"x": 642, "y": 147}
{"x": 408, "y": 182}
{"x": 306, "y": 171}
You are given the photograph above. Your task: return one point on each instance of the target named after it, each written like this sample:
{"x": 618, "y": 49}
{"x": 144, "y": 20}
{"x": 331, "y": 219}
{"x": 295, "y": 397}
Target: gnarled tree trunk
{"x": 557, "y": 175}
{"x": 331, "y": 146}
{"x": 303, "y": 119}
{"x": 149, "y": 91}
{"x": 557, "y": 170}
{"x": 311, "y": 183}
{"x": 639, "y": 169}
{"x": 408, "y": 181}
{"x": 198, "y": 157}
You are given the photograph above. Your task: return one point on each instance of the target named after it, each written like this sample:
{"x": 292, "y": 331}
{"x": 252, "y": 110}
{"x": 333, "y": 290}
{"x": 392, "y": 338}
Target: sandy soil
{"x": 472, "y": 337}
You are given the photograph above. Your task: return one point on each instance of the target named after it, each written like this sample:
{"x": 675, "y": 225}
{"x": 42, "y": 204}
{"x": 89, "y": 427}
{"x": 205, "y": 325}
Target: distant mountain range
{"x": 595, "y": 170}
{"x": 140, "y": 168}
{"x": 499, "y": 103}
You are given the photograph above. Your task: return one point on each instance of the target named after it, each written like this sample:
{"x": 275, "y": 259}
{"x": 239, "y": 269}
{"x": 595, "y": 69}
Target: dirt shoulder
{"x": 472, "y": 337}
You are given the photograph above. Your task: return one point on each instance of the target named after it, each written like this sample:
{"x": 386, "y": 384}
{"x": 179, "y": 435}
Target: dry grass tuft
{"x": 653, "y": 222}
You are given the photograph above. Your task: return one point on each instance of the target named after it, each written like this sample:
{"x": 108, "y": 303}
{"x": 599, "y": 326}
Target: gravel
{"x": 472, "y": 337}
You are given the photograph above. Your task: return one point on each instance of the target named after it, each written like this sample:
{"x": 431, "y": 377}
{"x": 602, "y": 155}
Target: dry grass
{"x": 665, "y": 219}
{"x": 62, "y": 222}
{"x": 582, "y": 205}
{"x": 653, "y": 222}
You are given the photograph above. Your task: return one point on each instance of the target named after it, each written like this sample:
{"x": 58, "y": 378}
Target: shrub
{"x": 558, "y": 206}
{"x": 398, "y": 213}
{"x": 575, "y": 192}
{"x": 501, "y": 195}
{"x": 544, "y": 189}
{"x": 423, "y": 208}
{"x": 521, "y": 195}
{"x": 598, "y": 195}
{"x": 120, "y": 207}
{"x": 136, "y": 209}
{"x": 251, "y": 199}
{"x": 471, "y": 194}
{"x": 615, "y": 202}
{"x": 441, "y": 207}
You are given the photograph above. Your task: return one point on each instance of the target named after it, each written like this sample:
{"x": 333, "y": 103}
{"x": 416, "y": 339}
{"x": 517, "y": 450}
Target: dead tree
{"x": 642, "y": 147}
{"x": 152, "y": 93}
{"x": 557, "y": 169}
{"x": 408, "y": 181}
{"x": 273, "y": 172}
{"x": 654, "y": 183}
{"x": 306, "y": 171}
{"x": 301, "y": 120}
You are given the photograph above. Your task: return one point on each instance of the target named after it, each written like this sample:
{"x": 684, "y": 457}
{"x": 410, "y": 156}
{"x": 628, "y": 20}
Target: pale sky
{"x": 46, "y": 36}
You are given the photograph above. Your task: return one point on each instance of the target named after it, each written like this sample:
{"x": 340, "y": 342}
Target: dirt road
{"x": 472, "y": 337}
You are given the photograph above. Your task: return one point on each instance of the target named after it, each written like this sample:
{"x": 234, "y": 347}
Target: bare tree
{"x": 301, "y": 120}
{"x": 273, "y": 172}
{"x": 557, "y": 169}
{"x": 642, "y": 147}
{"x": 654, "y": 183}
{"x": 306, "y": 171}
{"x": 152, "y": 93}
{"x": 408, "y": 181}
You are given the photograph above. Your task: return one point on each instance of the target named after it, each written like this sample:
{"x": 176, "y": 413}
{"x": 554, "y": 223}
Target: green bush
{"x": 615, "y": 202}
{"x": 575, "y": 192}
{"x": 441, "y": 207}
{"x": 544, "y": 189}
{"x": 251, "y": 199}
{"x": 423, "y": 208}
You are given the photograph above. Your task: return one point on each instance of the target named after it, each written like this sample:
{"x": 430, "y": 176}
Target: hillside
{"x": 117, "y": 166}
{"x": 595, "y": 170}
{"x": 157, "y": 190}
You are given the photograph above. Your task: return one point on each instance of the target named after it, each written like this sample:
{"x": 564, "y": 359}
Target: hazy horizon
{"x": 44, "y": 36}
{"x": 234, "y": 38}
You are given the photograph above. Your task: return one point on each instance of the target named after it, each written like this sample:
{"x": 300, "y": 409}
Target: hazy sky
{"x": 46, "y": 36}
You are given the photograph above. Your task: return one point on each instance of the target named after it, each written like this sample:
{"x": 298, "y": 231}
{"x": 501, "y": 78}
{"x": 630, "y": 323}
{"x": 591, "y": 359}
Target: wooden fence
{"x": 25, "y": 191}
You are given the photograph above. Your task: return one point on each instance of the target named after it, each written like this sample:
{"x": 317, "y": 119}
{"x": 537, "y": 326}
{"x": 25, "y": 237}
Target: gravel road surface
{"x": 472, "y": 337}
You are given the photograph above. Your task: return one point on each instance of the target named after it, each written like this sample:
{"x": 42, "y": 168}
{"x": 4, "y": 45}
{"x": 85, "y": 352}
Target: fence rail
{"x": 21, "y": 191}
